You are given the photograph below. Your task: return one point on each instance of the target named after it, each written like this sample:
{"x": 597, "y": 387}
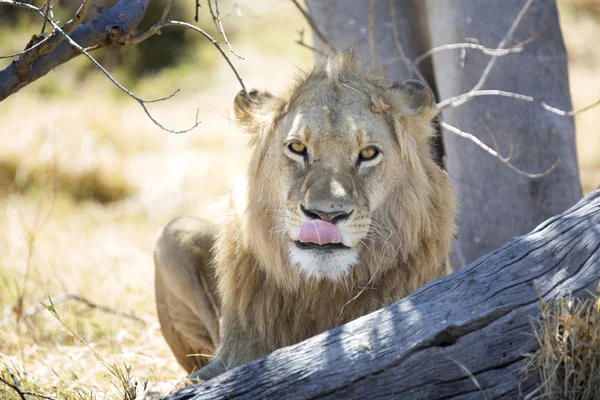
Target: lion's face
{"x": 333, "y": 163}
{"x": 328, "y": 160}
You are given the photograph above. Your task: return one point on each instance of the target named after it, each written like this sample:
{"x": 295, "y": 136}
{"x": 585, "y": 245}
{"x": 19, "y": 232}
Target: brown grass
{"x": 568, "y": 361}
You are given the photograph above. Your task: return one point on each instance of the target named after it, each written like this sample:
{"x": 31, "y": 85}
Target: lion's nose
{"x": 326, "y": 216}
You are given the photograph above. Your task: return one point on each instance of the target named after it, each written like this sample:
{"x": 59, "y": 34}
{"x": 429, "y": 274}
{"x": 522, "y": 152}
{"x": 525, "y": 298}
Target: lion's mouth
{"x": 327, "y": 246}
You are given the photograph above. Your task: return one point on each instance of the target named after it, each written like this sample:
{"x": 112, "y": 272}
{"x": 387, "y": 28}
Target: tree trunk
{"x": 477, "y": 320}
{"x": 496, "y": 202}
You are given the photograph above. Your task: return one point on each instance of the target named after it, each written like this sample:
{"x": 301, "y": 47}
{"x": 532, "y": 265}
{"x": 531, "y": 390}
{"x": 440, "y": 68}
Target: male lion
{"x": 346, "y": 211}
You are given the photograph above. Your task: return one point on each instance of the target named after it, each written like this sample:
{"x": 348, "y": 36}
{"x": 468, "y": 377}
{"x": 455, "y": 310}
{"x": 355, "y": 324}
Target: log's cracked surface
{"x": 456, "y": 337}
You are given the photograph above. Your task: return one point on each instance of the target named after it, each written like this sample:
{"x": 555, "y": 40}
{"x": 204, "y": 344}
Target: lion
{"x": 345, "y": 212}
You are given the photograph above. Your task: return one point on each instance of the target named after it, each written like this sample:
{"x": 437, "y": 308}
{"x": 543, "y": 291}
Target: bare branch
{"x": 372, "y": 43}
{"x": 155, "y": 29}
{"x": 65, "y": 297}
{"x": 569, "y": 113}
{"x": 105, "y": 30}
{"x": 212, "y": 13}
{"x": 494, "y": 153}
{"x": 300, "y": 41}
{"x": 141, "y": 102}
{"x": 48, "y": 8}
{"x": 222, "y": 31}
{"x": 13, "y": 387}
{"x": 485, "y": 50}
{"x": 501, "y": 45}
{"x": 324, "y": 41}
{"x": 54, "y": 39}
{"x": 460, "y": 100}
{"x": 402, "y": 56}
{"x": 408, "y": 62}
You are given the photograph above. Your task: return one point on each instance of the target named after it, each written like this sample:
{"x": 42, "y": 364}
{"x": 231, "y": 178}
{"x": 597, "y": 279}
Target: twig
{"x": 402, "y": 56}
{"x": 457, "y": 100}
{"x": 13, "y": 387}
{"x": 222, "y": 31}
{"x": 503, "y": 42}
{"x": 494, "y": 153}
{"x": 28, "y": 49}
{"x": 156, "y": 29}
{"x": 372, "y": 43}
{"x": 197, "y": 10}
{"x": 23, "y": 393}
{"x": 47, "y": 5}
{"x": 300, "y": 41}
{"x": 324, "y": 41}
{"x": 140, "y": 101}
{"x": 485, "y": 50}
{"x": 65, "y": 297}
{"x": 212, "y": 13}
{"x": 569, "y": 113}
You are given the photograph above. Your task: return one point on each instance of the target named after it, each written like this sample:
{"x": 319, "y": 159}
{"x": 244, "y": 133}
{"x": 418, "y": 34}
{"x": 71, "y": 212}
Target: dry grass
{"x": 568, "y": 360}
{"x": 86, "y": 180}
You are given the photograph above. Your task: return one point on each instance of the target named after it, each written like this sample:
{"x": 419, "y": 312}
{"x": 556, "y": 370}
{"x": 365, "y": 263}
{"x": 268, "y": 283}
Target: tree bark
{"x": 477, "y": 319}
{"x": 111, "y": 26}
{"x": 496, "y": 202}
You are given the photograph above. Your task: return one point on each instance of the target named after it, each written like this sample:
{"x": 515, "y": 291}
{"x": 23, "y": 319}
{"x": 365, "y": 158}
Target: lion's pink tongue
{"x": 319, "y": 232}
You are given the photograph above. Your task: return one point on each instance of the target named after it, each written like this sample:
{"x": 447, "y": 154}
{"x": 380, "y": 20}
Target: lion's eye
{"x": 297, "y": 147}
{"x": 368, "y": 153}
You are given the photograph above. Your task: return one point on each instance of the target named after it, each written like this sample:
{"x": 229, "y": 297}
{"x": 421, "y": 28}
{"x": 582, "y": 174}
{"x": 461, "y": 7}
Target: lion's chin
{"x": 327, "y": 263}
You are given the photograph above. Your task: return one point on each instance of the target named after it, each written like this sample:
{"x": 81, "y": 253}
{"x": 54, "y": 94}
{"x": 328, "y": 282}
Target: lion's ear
{"x": 417, "y": 98}
{"x": 256, "y": 110}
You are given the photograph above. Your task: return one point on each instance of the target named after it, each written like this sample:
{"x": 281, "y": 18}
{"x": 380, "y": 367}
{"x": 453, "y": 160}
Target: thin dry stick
{"x": 482, "y": 79}
{"x": 501, "y": 45}
{"x": 491, "y": 151}
{"x": 300, "y": 41}
{"x": 23, "y": 393}
{"x": 402, "y": 55}
{"x": 140, "y": 101}
{"x": 485, "y": 50}
{"x": 324, "y": 41}
{"x": 222, "y": 31}
{"x": 516, "y": 96}
{"x": 372, "y": 43}
{"x": 495, "y": 142}
{"x": 212, "y": 13}
{"x": 13, "y": 387}
{"x": 65, "y": 297}
{"x": 569, "y": 113}
{"x": 156, "y": 30}
{"x": 48, "y": 6}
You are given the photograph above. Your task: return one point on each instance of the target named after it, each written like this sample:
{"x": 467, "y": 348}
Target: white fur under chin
{"x": 323, "y": 264}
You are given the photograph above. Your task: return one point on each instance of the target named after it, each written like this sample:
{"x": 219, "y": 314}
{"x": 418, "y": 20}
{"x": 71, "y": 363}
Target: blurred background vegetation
{"x": 86, "y": 179}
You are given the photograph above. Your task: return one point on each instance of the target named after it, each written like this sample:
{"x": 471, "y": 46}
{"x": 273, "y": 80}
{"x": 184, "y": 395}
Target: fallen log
{"x": 462, "y": 336}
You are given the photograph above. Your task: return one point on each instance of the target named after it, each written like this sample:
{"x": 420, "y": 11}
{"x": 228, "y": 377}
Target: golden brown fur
{"x": 400, "y": 227}
{"x": 266, "y": 304}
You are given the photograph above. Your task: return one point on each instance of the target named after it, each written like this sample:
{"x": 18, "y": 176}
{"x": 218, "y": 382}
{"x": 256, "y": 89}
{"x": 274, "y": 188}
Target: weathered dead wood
{"x": 112, "y": 26}
{"x": 476, "y": 320}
